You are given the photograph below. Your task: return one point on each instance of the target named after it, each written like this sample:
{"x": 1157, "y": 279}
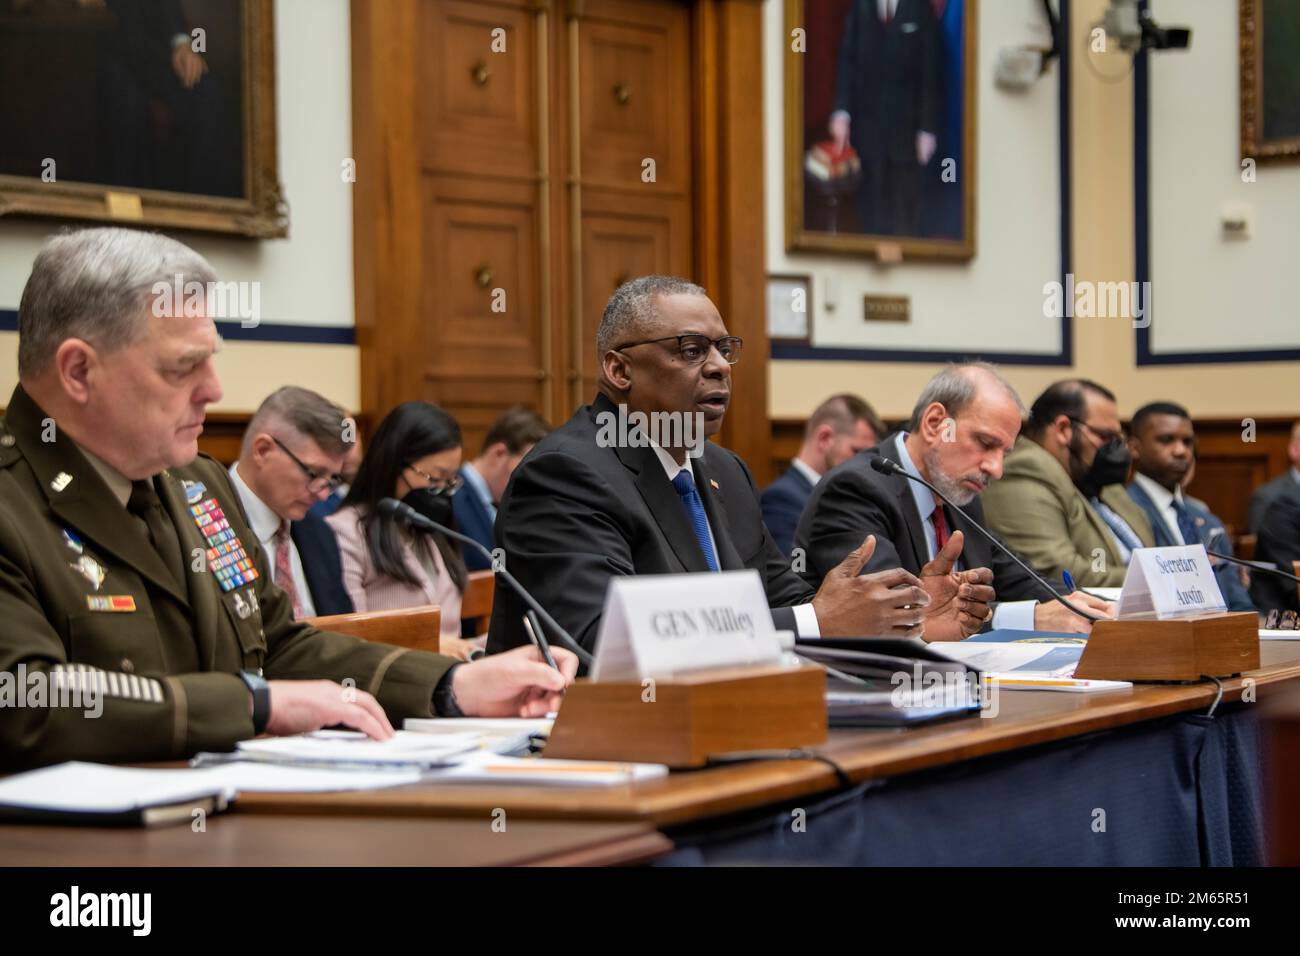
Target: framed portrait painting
{"x": 880, "y": 127}
{"x": 147, "y": 112}
{"x": 1270, "y": 80}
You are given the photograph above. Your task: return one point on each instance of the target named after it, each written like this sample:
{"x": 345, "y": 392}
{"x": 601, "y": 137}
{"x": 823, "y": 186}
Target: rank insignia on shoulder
{"x": 194, "y": 490}
{"x": 61, "y": 481}
{"x": 72, "y": 541}
{"x": 119, "y": 603}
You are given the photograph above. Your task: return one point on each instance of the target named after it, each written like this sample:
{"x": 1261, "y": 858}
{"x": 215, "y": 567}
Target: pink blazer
{"x": 372, "y": 591}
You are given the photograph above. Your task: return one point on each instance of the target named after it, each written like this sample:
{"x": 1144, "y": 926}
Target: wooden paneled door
{"x": 517, "y": 160}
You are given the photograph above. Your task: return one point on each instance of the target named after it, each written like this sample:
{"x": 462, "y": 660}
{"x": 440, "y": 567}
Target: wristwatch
{"x": 444, "y": 698}
{"x": 261, "y": 691}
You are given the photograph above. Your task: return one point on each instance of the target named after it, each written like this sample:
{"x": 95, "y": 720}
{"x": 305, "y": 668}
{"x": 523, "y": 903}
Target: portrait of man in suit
{"x": 883, "y": 131}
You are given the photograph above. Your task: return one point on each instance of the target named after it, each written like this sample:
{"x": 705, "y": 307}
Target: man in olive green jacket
{"x": 1061, "y": 503}
{"x": 138, "y": 618}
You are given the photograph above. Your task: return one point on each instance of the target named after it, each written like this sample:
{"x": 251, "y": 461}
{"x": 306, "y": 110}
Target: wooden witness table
{"x": 1025, "y": 719}
{"x": 442, "y": 824}
{"x": 231, "y": 839}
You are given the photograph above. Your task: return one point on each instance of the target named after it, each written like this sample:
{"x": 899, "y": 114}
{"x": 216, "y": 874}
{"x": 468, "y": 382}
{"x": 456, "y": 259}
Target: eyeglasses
{"x": 1106, "y": 436}
{"x": 440, "y": 486}
{"x": 315, "y": 480}
{"x": 694, "y": 348}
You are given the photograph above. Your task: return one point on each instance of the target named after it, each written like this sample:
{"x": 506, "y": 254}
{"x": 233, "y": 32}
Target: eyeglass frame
{"x": 1106, "y": 437}
{"x": 713, "y": 344}
{"x": 440, "y": 486}
{"x": 314, "y": 477}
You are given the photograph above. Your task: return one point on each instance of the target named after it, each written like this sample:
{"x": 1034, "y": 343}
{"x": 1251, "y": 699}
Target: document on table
{"x": 500, "y": 735}
{"x": 1059, "y": 660}
{"x": 1269, "y": 634}
{"x": 349, "y": 748}
{"x": 80, "y": 788}
{"x": 538, "y": 771}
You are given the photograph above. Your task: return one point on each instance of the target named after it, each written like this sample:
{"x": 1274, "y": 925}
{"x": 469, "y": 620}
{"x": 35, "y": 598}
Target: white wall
{"x": 1213, "y": 293}
{"x": 995, "y": 301}
{"x": 305, "y": 279}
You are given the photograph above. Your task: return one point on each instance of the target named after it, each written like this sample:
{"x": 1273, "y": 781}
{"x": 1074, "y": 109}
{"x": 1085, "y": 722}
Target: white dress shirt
{"x": 265, "y": 523}
{"x": 805, "y": 616}
{"x": 1164, "y": 500}
{"x": 1009, "y": 615}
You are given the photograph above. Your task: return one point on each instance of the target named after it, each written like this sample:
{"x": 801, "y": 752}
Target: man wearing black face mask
{"x": 1061, "y": 503}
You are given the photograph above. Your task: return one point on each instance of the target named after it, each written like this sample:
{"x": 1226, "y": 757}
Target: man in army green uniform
{"x": 126, "y": 565}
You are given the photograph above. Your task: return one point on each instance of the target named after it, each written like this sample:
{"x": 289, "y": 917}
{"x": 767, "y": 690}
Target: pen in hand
{"x": 534, "y": 628}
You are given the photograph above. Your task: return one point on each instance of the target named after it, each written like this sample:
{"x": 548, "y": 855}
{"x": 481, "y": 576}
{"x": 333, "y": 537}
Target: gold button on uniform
{"x": 127, "y": 666}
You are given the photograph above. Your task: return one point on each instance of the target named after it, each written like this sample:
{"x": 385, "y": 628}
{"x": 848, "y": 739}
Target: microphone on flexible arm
{"x": 887, "y": 466}
{"x": 404, "y": 512}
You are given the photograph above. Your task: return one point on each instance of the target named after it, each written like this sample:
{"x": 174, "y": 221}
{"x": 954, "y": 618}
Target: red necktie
{"x": 284, "y": 568}
{"x": 940, "y": 527}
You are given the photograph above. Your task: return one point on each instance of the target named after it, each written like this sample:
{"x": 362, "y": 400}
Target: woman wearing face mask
{"x": 414, "y": 457}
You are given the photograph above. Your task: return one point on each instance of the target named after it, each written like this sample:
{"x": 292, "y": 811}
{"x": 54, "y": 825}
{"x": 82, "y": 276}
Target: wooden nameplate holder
{"x": 1178, "y": 649}
{"x": 692, "y": 716}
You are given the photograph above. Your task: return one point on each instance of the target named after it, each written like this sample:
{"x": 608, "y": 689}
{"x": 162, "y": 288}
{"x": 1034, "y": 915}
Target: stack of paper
{"x": 538, "y": 771}
{"x": 349, "y": 748}
{"x": 500, "y": 735}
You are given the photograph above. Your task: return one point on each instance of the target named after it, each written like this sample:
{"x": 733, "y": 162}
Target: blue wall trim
{"x": 1142, "y": 239}
{"x": 1065, "y": 356}
{"x": 265, "y": 332}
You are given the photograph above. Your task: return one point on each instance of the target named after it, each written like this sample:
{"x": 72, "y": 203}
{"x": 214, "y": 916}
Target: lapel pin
{"x": 73, "y": 542}
{"x": 714, "y": 484}
{"x": 61, "y": 481}
{"x": 89, "y": 569}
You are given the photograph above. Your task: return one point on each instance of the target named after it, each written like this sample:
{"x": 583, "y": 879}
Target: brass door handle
{"x": 483, "y": 276}
{"x": 479, "y": 72}
{"x": 622, "y": 93}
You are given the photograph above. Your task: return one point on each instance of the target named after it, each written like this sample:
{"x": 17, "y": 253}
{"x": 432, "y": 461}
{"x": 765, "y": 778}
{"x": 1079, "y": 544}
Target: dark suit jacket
{"x": 473, "y": 519}
{"x": 1279, "y": 545}
{"x": 854, "y": 500}
{"x": 783, "y": 502}
{"x": 576, "y": 514}
{"x": 319, "y": 551}
{"x": 888, "y": 78}
{"x": 1234, "y": 592}
{"x": 1264, "y": 496}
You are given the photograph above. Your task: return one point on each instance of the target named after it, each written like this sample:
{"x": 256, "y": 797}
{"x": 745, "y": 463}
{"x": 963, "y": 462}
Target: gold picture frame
{"x": 260, "y": 212}
{"x": 1255, "y": 145}
{"x": 886, "y": 247}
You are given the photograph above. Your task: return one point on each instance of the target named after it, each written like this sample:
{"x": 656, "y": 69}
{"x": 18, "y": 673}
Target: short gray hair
{"x": 632, "y": 306}
{"x": 955, "y": 387}
{"x": 307, "y": 413}
{"x": 96, "y": 285}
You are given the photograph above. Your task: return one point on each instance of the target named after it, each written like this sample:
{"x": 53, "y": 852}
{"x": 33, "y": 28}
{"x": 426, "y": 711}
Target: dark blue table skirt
{"x": 1178, "y": 791}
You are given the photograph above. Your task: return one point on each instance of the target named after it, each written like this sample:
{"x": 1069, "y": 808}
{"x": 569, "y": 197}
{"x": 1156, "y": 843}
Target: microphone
{"x": 404, "y": 512}
{"x": 887, "y": 466}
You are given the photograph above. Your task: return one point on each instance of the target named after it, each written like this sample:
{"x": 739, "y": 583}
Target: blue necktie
{"x": 694, "y": 506}
{"x": 1185, "y": 523}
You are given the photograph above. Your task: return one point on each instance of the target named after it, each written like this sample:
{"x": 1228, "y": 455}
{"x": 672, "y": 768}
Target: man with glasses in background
{"x": 594, "y": 500}
{"x": 1061, "y": 503}
{"x": 293, "y": 452}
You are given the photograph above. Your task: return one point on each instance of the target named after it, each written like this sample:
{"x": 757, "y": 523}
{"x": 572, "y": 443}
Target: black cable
{"x": 756, "y": 756}
{"x": 1217, "y": 697}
